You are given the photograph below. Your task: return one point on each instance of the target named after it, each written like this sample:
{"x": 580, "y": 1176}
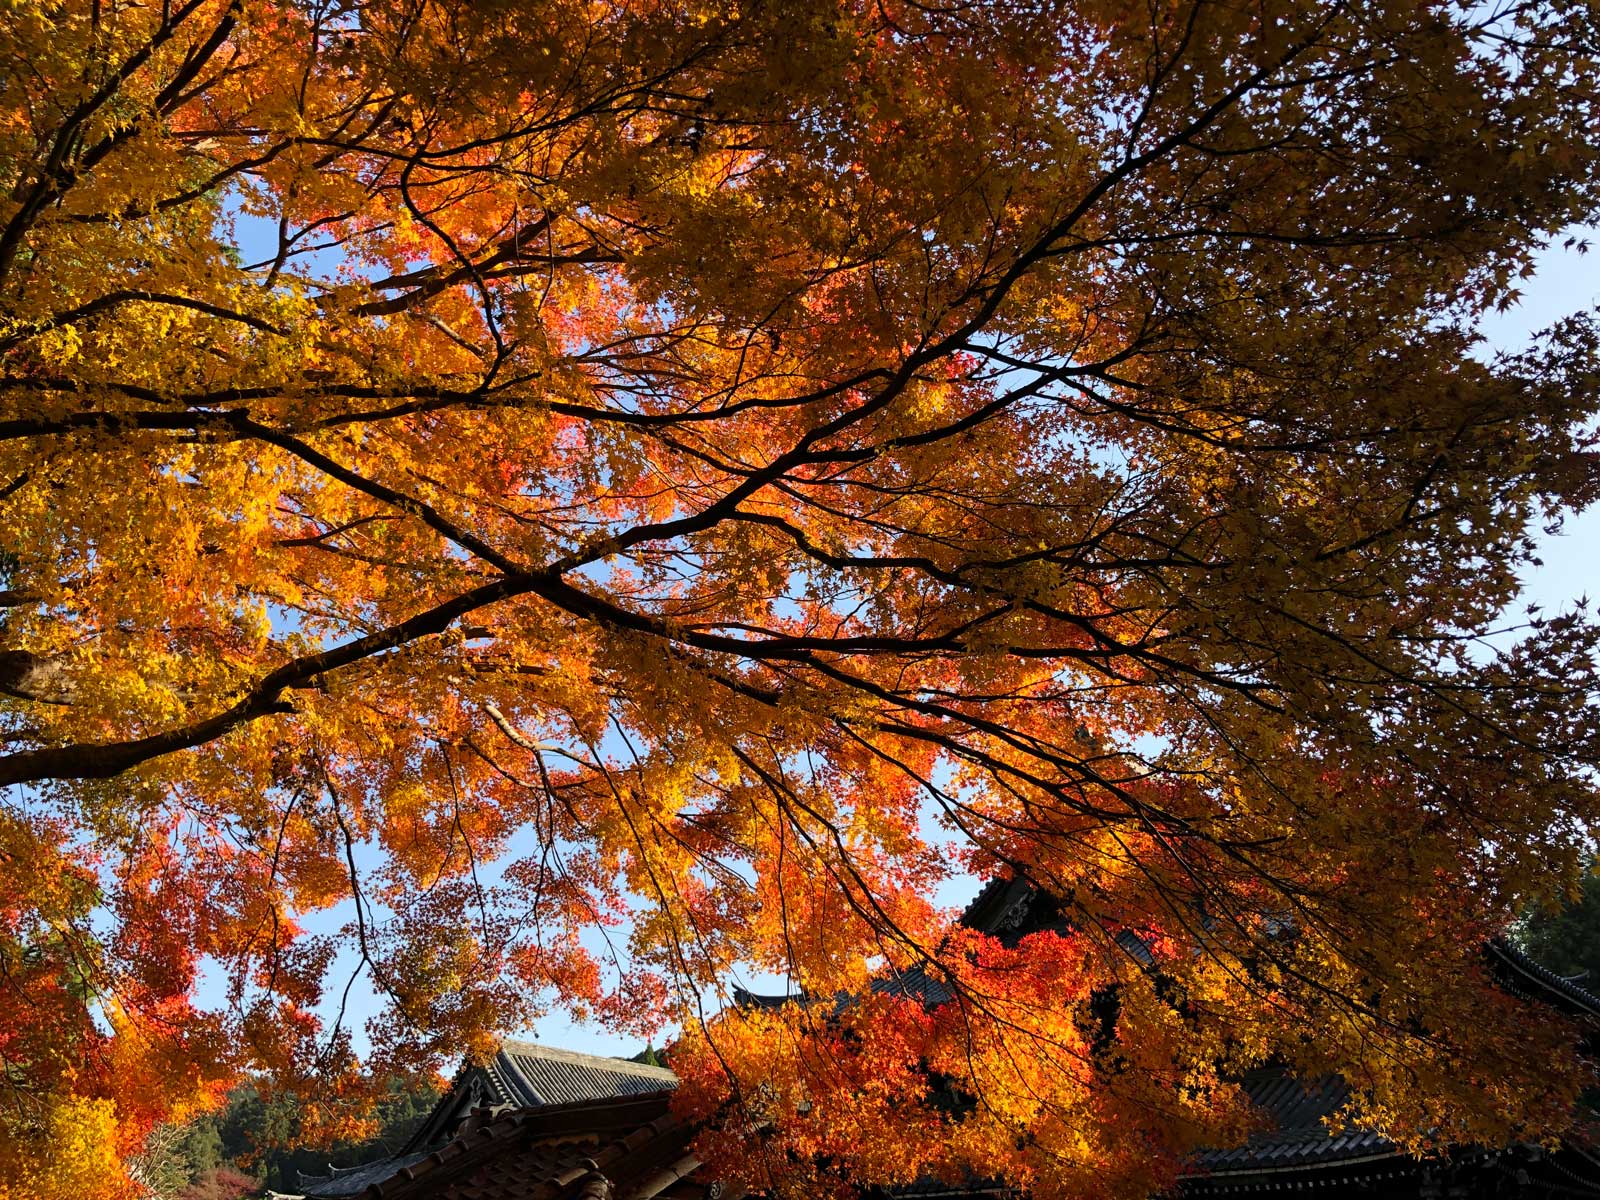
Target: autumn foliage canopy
{"x": 555, "y": 504}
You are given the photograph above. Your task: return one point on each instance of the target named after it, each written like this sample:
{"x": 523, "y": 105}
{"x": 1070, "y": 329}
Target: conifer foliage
{"x": 706, "y": 473}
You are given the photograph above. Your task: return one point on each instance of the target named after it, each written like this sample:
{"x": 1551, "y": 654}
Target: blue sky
{"x": 1566, "y": 282}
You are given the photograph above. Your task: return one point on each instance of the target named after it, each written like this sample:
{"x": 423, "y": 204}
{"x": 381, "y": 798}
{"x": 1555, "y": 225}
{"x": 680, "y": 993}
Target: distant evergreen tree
{"x": 1567, "y": 941}
{"x": 246, "y": 1146}
{"x": 648, "y": 1057}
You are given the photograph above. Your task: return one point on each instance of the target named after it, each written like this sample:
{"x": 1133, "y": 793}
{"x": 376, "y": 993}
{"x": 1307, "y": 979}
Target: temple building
{"x": 534, "y": 1111}
{"x": 536, "y": 1123}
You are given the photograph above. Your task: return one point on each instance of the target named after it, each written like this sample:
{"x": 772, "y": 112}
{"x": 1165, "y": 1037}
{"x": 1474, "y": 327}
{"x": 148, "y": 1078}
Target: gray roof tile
{"x": 545, "y": 1075}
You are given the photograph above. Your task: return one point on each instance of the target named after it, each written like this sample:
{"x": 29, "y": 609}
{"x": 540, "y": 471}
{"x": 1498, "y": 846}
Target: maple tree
{"x": 709, "y": 474}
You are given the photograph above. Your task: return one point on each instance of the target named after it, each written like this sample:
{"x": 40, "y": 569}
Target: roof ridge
{"x": 991, "y": 885}
{"x": 1515, "y": 956}
{"x": 622, "y": 1066}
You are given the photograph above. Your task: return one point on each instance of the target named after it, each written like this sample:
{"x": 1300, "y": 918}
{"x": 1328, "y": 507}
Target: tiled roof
{"x": 1298, "y": 1137}
{"x": 629, "y": 1146}
{"x": 352, "y": 1181}
{"x": 914, "y": 984}
{"x": 528, "y": 1074}
{"x": 744, "y": 998}
{"x": 522, "y": 1075}
{"x": 999, "y": 903}
{"x": 544, "y": 1075}
{"x": 1521, "y": 974}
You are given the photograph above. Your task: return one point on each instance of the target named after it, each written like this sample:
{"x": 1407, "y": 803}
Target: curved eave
{"x": 1540, "y": 981}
